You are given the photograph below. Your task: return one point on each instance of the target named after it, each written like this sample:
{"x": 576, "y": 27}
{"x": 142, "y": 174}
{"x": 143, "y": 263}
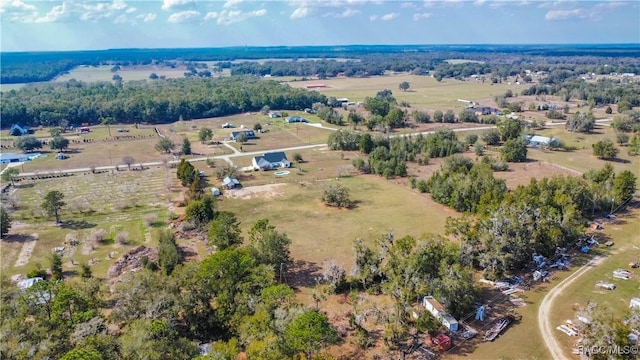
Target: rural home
{"x": 275, "y": 115}
{"x": 296, "y": 119}
{"x": 230, "y": 183}
{"x": 537, "y": 141}
{"x": 486, "y": 110}
{"x": 437, "y": 310}
{"x": 249, "y": 134}
{"x": 19, "y": 130}
{"x": 270, "y": 161}
{"x": 6, "y": 158}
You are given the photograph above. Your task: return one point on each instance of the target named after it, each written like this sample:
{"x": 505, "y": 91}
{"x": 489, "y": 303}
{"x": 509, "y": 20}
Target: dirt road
{"x": 547, "y": 328}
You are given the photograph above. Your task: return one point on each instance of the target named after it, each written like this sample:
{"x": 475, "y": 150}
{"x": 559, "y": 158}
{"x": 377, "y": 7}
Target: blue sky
{"x": 92, "y": 25}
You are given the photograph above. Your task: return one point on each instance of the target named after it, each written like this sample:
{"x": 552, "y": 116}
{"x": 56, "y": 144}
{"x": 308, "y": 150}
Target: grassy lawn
{"x": 115, "y": 202}
{"x": 583, "y": 159}
{"x": 320, "y": 233}
{"x": 425, "y": 91}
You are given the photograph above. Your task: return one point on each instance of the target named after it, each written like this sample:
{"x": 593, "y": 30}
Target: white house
{"x": 542, "y": 141}
{"x": 437, "y": 310}
{"x": 270, "y": 161}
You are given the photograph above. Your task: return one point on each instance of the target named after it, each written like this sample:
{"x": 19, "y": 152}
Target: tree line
{"x": 154, "y": 102}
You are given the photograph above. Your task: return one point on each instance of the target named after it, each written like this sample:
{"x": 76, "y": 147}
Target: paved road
{"x": 547, "y": 328}
{"x": 225, "y": 157}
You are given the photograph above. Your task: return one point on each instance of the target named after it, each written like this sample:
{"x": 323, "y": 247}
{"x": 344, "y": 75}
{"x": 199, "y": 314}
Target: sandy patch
{"x": 27, "y": 249}
{"x": 266, "y": 191}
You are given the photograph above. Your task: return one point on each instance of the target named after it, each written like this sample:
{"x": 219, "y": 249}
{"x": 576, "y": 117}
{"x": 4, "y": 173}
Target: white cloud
{"x": 18, "y": 11}
{"x": 300, "y": 13}
{"x": 373, "y": 17}
{"x": 408, "y": 5}
{"x": 56, "y": 13}
{"x": 565, "y": 14}
{"x": 176, "y": 4}
{"x": 421, "y": 16}
{"x": 389, "y": 16}
{"x": 345, "y": 14}
{"x": 148, "y": 17}
{"x": 184, "y": 16}
{"x": 231, "y": 3}
{"x": 227, "y": 17}
{"x": 479, "y": 2}
{"x": 211, "y": 16}
{"x": 442, "y": 3}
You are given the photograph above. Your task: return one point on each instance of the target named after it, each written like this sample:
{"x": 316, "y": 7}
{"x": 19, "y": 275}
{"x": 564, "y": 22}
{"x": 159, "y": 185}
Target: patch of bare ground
{"x": 28, "y": 244}
{"x": 131, "y": 261}
{"x": 266, "y": 191}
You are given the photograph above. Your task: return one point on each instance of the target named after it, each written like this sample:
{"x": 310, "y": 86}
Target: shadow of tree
{"x": 77, "y": 224}
{"x": 302, "y": 274}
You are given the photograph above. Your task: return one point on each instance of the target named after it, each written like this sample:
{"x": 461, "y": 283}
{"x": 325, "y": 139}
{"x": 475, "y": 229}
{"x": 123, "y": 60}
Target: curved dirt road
{"x": 547, "y": 329}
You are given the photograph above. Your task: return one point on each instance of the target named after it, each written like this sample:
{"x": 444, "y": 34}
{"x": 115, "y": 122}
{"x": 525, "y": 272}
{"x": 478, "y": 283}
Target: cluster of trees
{"x": 538, "y": 218}
{"x": 407, "y": 268}
{"x": 568, "y": 85}
{"x": 627, "y": 125}
{"x": 152, "y": 102}
{"x": 462, "y": 184}
{"x": 30, "y": 143}
{"x": 164, "y": 315}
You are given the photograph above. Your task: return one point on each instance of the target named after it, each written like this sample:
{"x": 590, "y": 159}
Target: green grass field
{"x": 582, "y": 159}
{"x": 425, "y": 91}
{"x": 320, "y": 233}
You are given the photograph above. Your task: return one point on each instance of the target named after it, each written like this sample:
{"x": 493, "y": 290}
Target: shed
{"x": 634, "y": 303}
{"x": 538, "y": 141}
{"x": 437, "y": 310}
{"x": 443, "y": 341}
{"x": 62, "y": 156}
{"x": 215, "y": 191}
{"x": 19, "y": 130}
{"x": 230, "y": 182}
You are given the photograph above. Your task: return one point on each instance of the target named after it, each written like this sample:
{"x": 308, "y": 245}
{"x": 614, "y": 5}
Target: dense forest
{"x": 365, "y": 60}
{"x": 159, "y": 101}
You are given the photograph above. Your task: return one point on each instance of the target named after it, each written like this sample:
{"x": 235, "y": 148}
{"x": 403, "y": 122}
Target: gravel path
{"x": 547, "y": 328}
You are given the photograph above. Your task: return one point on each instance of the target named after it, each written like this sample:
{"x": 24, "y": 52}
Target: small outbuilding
{"x": 62, "y": 156}
{"x": 443, "y": 342}
{"x": 634, "y": 303}
{"x": 19, "y": 130}
{"x": 230, "y": 183}
{"x": 537, "y": 141}
{"x": 215, "y": 191}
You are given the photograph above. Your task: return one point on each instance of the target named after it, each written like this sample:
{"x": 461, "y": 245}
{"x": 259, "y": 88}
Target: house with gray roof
{"x": 271, "y": 161}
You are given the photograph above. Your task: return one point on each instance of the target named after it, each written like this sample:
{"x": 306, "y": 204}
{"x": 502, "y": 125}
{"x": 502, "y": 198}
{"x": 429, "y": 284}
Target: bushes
{"x": 336, "y": 195}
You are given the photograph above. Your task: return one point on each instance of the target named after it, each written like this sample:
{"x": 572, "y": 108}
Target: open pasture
{"x": 320, "y": 233}
{"x": 108, "y": 192}
{"x": 425, "y": 91}
{"x": 128, "y": 73}
{"x": 582, "y": 159}
{"x": 116, "y": 202}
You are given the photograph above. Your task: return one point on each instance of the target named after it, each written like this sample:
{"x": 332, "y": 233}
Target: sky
{"x": 53, "y": 25}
